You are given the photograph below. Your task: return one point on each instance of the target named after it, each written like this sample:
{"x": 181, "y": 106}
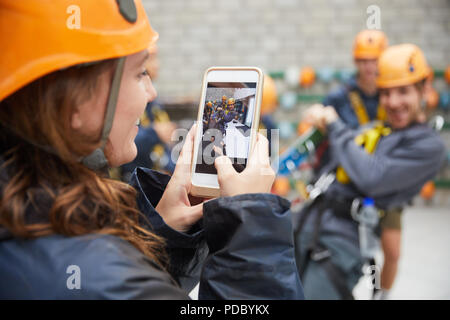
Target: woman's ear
{"x": 76, "y": 121}
{"x": 87, "y": 116}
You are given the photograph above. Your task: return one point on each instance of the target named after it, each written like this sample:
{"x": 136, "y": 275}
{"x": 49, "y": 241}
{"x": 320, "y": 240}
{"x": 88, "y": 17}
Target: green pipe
{"x": 442, "y": 183}
{"x": 438, "y": 73}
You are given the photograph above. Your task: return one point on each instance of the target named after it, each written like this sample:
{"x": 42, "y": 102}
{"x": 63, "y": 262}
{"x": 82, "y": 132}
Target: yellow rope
{"x": 369, "y": 139}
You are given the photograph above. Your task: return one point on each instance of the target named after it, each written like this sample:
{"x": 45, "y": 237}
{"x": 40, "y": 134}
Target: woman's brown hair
{"x": 40, "y": 155}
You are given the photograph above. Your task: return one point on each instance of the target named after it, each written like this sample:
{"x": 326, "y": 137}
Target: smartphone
{"x": 228, "y": 119}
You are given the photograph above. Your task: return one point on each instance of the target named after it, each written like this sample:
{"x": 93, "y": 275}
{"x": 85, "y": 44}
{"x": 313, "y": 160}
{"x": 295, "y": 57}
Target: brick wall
{"x": 276, "y": 34}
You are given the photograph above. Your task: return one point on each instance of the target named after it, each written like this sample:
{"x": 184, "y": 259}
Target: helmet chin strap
{"x": 97, "y": 160}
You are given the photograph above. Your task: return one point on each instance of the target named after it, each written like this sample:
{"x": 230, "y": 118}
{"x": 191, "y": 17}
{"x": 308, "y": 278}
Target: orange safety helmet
{"x": 447, "y": 74}
{"x": 39, "y": 37}
{"x": 153, "y": 48}
{"x": 270, "y": 98}
{"x": 369, "y": 44}
{"x": 432, "y": 98}
{"x": 231, "y": 101}
{"x": 428, "y": 190}
{"x": 307, "y": 77}
{"x": 281, "y": 186}
{"x": 303, "y": 127}
{"x": 401, "y": 65}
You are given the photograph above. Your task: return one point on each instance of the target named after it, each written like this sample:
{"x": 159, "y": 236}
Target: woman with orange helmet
{"x": 73, "y": 84}
{"x": 377, "y": 168}
{"x": 153, "y": 141}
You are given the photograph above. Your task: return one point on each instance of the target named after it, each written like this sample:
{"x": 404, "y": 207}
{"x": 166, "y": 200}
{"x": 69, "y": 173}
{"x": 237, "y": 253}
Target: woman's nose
{"x": 151, "y": 91}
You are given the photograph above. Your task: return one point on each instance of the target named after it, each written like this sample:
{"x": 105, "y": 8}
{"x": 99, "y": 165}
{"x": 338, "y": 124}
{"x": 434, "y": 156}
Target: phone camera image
{"x": 226, "y": 124}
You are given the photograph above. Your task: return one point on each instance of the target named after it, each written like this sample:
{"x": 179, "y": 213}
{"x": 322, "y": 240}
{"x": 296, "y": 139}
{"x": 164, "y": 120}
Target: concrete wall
{"x": 276, "y": 34}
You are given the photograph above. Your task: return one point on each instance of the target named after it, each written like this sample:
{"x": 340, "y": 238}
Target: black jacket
{"x": 242, "y": 249}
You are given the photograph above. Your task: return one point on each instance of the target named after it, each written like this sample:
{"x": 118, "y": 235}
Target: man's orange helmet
{"x": 401, "y": 65}
{"x": 231, "y": 101}
{"x": 42, "y": 36}
{"x": 369, "y": 44}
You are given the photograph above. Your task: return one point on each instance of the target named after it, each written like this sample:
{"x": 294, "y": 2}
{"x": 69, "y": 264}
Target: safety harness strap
{"x": 316, "y": 252}
{"x": 112, "y": 100}
{"x": 304, "y": 214}
{"x": 337, "y": 278}
{"x": 360, "y": 109}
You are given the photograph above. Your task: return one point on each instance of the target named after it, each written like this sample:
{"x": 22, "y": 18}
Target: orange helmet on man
{"x": 401, "y": 65}
{"x": 369, "y": 44}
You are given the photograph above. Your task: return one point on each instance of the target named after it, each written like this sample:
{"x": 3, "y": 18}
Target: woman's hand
{"x": 175, "y": 207}
{"x": 257, "y": 177}
{"x": 320, "y": 116}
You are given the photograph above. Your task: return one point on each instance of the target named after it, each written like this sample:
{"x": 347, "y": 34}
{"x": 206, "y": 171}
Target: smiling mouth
{"x": 397, "y": 109}
{"x": 398, "y": 116}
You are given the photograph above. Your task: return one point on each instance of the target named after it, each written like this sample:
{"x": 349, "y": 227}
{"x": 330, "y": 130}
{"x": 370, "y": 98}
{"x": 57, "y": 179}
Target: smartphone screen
{"x": 226, "y": 125}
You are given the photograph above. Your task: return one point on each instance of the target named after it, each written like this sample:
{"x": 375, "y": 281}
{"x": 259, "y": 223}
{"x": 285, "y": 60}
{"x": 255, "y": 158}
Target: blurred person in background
{"x": 223, "y": 105}
{"x": 230, "y": 113}
{"x": 357, "y": 103}
{"x": 377, "y": 167}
